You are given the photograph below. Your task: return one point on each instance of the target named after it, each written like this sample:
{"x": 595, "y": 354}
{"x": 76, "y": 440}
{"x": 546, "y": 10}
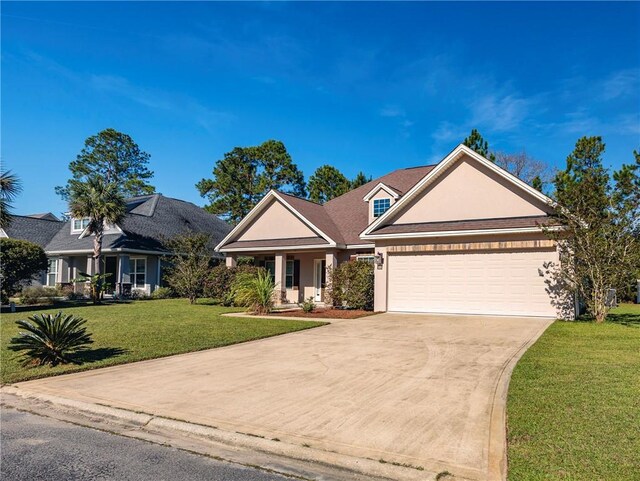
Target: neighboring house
{"x": 36, "y": 228}
{"x": 462, "y": 236}
{"x": 131, "y": 251}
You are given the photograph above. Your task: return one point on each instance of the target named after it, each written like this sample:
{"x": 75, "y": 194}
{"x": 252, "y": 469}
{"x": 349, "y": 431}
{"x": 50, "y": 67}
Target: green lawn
{"x": 574, "y": 402}
{"x": 144, "y": 330}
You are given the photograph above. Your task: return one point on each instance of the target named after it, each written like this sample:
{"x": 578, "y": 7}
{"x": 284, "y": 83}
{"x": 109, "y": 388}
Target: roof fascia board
{"x": 456, "y": 233}
{"x": 282, "y": 248}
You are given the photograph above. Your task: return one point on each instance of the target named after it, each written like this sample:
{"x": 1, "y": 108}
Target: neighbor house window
{"x": 52, "y": 272}
{"x": 380, "y": 206}
{"x": 138, "y": 272}
{"x": 80, "y": 224}
{"x": 289, "y": 276}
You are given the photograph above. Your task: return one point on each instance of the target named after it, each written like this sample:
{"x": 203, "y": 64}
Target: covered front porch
{"x": 127, "y": 272}
{"x": 297, "y": 275}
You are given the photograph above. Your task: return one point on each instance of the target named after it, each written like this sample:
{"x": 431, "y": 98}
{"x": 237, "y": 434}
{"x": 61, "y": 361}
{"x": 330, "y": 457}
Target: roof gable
{"x": 381, "y": 186}
{"x": 464, "y": 186}
{"x": 280, "y": 216}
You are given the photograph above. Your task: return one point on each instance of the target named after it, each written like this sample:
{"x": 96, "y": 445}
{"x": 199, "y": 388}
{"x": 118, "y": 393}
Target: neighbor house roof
{"x": 150, "y": 221}
{"x": 39, "y": 230}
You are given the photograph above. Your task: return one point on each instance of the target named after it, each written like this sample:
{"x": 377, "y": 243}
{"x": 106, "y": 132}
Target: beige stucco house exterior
{"x": 463, "y": 236}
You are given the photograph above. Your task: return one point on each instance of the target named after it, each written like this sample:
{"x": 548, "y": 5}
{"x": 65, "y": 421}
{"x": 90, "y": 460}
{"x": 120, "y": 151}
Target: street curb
{"x": 303, "y": 462}
{"x": 497, "y": 455}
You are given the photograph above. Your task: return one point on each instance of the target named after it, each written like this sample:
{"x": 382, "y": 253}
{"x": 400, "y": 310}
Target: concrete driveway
{"x": 426, "y": 391}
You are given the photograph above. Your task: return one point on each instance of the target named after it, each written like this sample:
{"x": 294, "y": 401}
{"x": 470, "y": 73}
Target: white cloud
{"x": 621, "y": 84}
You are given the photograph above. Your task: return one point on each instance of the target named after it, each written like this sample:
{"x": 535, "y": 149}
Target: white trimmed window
{"x": 52, "y": 272}
{"x": 78, "y": 225}
{"x": 289, "y": 275}
{"x": 380, "y": 206}
{"x": 138, "y": 272}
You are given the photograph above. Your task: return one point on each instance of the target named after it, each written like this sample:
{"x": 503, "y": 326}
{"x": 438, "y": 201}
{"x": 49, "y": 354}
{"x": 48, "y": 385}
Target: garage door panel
{"x": 501, "y": 283}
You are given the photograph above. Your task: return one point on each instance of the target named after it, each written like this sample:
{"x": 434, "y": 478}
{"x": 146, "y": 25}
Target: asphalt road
{"x": 39, "y": 448}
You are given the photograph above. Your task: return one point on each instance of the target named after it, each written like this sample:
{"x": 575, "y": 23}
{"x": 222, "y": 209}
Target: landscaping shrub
{"x": 351, "y": 285}
{"x": 162, "y": 293}
{"x": 139, "y": 295}
{"x": 190, "y": 268}
{"x": 20, "y": 261}
{"x": 254, "y": 289}
{"x": 38, "y": 295}
{"x": 308, "y": 305}
{"x": 219, "y": 284}
{"x": 51, "y": 339}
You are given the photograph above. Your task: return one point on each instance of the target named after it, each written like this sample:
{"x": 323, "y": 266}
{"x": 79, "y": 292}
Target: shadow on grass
{"x": 61, "y": 305}
{"x": 626, "y": 319}
{"x": 100, "y": 354}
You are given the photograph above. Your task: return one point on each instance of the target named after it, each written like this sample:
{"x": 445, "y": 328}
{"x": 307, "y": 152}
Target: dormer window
{"x": 380, "y": 206}
{"x": 78, "y": 225}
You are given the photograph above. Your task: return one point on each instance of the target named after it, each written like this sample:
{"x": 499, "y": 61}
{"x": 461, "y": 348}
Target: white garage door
{"x": 502, "y": 283}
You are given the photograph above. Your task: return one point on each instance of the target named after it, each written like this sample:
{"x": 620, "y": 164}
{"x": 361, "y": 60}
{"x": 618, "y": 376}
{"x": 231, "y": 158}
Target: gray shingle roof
{"x": 150, "y": 221}
{"x": 33, "y": 229}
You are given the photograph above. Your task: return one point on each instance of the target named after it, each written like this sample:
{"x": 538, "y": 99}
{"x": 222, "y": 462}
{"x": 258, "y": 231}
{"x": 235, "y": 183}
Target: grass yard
{"x": 574, "y": 402}
{"x": 140, "y": 330}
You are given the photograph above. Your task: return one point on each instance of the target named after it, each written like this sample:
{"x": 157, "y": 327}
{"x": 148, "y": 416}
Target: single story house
{"x": 132, "y": 250}
{"x": 463, "y": 236}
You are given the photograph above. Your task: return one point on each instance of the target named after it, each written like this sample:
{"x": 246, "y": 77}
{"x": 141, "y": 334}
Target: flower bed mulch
{"x": 325, "y": 313}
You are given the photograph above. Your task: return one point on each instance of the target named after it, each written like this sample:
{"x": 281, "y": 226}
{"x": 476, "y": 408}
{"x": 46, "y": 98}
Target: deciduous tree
{"x": 19, "y": 262}
{"x": 600, "y": 213}
{"x": 190, "y": 265}
{"x": 525, "y": 167}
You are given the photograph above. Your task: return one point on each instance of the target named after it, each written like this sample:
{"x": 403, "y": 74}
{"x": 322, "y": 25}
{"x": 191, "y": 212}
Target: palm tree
{"x": 102, "y": 203}
{"x": 9, "y": 188}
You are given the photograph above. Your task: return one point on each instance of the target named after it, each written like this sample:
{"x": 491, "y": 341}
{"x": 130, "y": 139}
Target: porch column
{"x": 123, "y": 273}
{"x": 231, "y": 260}
{"x": 63, "y": 268}
{"x": 281, "y": 277}
{"x": 331, "y": 259}
{"x": 90, "y": 265}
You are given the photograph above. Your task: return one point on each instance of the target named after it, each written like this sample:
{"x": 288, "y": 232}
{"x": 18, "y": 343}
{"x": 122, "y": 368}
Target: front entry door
{"x": 319, "y": 268}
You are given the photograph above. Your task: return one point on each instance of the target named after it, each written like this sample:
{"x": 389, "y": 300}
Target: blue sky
{"x": 362, "y": 86}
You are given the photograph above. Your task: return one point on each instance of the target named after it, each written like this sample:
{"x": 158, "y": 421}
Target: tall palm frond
{"x": 9, "y": 188}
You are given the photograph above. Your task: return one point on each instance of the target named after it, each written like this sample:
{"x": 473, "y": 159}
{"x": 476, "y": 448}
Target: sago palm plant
{"x": 255, "y": 291}
{"x": 51, "y": 339}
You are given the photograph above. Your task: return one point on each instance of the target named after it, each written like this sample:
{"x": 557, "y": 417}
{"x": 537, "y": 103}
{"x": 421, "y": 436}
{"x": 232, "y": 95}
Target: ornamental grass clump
{"x": 51, "y": 339}
{"x": 255, "y": 290}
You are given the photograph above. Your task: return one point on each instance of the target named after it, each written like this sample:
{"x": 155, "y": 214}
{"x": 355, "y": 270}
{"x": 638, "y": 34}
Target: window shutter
{"x": 296, "y": 273}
